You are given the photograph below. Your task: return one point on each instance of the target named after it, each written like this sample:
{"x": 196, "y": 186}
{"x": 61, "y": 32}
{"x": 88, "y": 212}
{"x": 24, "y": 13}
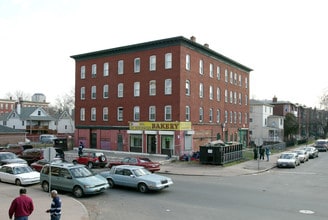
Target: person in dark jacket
{"x": 262, "y": 153}
{"x": 81, "y": 146}
{"x": 55, "y": 208}
{"x": 21, "y": 207}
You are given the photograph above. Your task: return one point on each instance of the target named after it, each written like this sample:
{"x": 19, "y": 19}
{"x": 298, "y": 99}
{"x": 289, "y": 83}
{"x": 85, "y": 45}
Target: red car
{"x": 92, "y": 159}
{"x": 138, "y": 161}
{"x": 37, "y": 165}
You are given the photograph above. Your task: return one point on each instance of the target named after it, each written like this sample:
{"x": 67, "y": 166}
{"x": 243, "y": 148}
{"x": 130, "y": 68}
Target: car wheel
{"x": 142, "y": 187}
{"x": 74, "y": 162}
{"x": 102, "y": 158}
{"x": 18, "y": 182}
{"x": 78, "y": 192}
{"x": 45, "y": 186}
{"x": 111, "y": 183}
{"x": 90, "y": 165}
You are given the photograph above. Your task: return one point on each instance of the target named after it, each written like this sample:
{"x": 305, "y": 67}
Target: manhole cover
{"x": 308, "y": 212}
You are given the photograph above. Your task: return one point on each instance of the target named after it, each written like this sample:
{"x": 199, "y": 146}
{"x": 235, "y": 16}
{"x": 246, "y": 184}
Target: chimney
{"x": 18, "y": 108}
{"x": 206, "y": 45}
{"x": 193, "y": 38}
{"x": 275, "y": 100}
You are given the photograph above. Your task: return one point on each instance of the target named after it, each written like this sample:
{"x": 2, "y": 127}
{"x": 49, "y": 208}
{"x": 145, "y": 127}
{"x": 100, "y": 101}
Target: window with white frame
{"x": 226, "y": 77}
{"x": 235, "y": 97}
{"x": 246, "y": 118}
{"x": 187, "y": 62}
{"x": 201, "y": 67}
{"x": 246, "y": 83}
{"x": 168, "y": 87}
{"x": 187, "y": 87}
{"x": 235, "y": 78}
{"x": 218, "y": 115}
{"x": 152, "y": 113}
{"x": 94, "y": 70}
{"x": 152, "y": 63}
{"x": 225, "y": 95}
{"x": 235, "y": 117}
{"x": 120, "y": 90}
{"x": 187, "y": 113}
{"x": 231, "y": 97}
{"x": 201, "y": 114}
{"x": 211, "y": 70}
{"x": 120, "y": 114}
{"x": 211, "y": 115}
{"x": 231, "y": 77}
{"x": 218, "y": 94}
{"x": 239, "y": 117}
{"x": 105, "y": 114}
{"x": 93, "y": 92}
{"x": 211, "y": 93}
{"x": 120, "y": 67}
{"x": 93, "y": 114}
{"x": 82, "y": 92}
{"x": 218, "y": 72}
{"x": 105, "y": 91}
{"x": 168, "y": 113}
{"x": 136, "y": 89}
{"x": 246, "y": 99}
{"x": 137, "y": 65}
{"x": 106, "y": 69}
{"x": 82, "y": 114}
{"x": 239, "y": 98}
{"x": 152, "y": 88}
{"x": 231, "y": 117}
{"x": 136, "y": 113}
{"x": 168, "y": 61}
{"x": 225, "y": 116}
{"x": 239, "y": 80}
{"x": 82, "y": 72}
{"x": 201, "y": 90}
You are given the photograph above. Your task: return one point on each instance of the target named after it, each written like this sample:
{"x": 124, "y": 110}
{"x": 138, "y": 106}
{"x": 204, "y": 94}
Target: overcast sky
{"x": 285, "y": 42}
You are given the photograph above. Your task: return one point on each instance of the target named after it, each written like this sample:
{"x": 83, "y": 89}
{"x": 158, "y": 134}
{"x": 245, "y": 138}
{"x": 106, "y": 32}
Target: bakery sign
{"x": 172, "y": 126}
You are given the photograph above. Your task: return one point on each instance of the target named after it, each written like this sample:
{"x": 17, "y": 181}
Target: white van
{"x": 47, "y": 138}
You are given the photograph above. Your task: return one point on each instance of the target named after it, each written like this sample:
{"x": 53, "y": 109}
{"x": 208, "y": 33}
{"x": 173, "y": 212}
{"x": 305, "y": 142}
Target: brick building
{"x": 166, "y": 96}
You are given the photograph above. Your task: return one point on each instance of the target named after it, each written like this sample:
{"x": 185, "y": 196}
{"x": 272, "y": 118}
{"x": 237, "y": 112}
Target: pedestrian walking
{"x": 21, "y": 207}
{"x": 262, "y": 153}
{"x": 55, "y": 208}
{"x": 255, "y": 153}
{"x": 81, "y": 146}
{"x": 267, "y": 153}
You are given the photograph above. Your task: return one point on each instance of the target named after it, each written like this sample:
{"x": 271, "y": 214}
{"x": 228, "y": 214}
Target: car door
{"x": 65, "y": 179}
{"x": 7, "y": 174}
{"x": 128, "y": 178}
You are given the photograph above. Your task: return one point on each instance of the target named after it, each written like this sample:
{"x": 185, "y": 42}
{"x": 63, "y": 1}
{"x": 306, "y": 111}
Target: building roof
{"x": 182, "y": 41}
{"x": 5, "y": 129}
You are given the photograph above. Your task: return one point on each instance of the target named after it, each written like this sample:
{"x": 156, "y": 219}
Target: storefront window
{"x": 135, "y": 143}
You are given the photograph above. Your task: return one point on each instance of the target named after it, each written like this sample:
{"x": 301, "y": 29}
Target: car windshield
{"x": 141, "y": 172}
{"x": 286, "y": 156}
{"x": 81, "y": 172}
{"x": 20, "y": 170}
{"x": 7, "y": 156}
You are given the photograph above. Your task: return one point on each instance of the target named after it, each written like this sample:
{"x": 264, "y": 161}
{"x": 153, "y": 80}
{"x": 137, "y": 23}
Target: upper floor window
{"x": 218, "y": 72}
{"x": 225, "y": 116}
{"x": 235, "y": 117}
{"x": 235, "y": 78}
{"x": 136, "y": 89}
{"x": 231, "y": 97}
{"x": 218, "y": 94}
{"x": 239, "y": 117}
{"x": 120, "y": 67}
{"x": 168, "y": 87}
{"x": 82, "y": 114}
{"x": 120, "y": 90}
{"x": 239, "y": 80}
{"x": 231, "y": 117}
{"x": 201, "y": 90}
{"x": 211, "y": 93}
{"x": 137, "y": 65}
{"x": 120, "y": 114}
{"x": 211, "y": 115}
{"x": 218, "y": 115}
{"x": 93, "y": 114}
{"x": 226, "y": 77}
{"x": 231, "y": 77}
{"x": 246, "y": 118}
{"x": 187, "y": 113}
{"x": 188, "y": 87}
{"x": 136, "y": 113}
{"x": 168, "y": 61}
{"x": 187, "y": 62}
{"x": 152, "y": 63}
{"x": 94, "y": 70}
{"x": 246, "y": 83}
{"x": 106, "y": 69}
{"x": 152, "y": 88}
{"x": 246, "y": 99}
{"x": 168, "y": 113}
{"x": 152, "y": 113}
{"x": 82, "y": 93}
{"x": 225, "y": 95}
{"x": 105, "y": 114}
{"x": 82, "y": 72}
{"x": 201, "y": 67}
{"x": 211, "y": 70}
{"x": 239, "y": 98}
{"x": 105, "y": 91}
{"x": 235, "y": 97}
{"x": 201, "y": 114}
{"x": 93, "y": 92}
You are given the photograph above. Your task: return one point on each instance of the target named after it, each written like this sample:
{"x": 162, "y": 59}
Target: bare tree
{"x": 324, "y": 100}
{"x": 65, "y": 102}
{"x": 17, "y": 95}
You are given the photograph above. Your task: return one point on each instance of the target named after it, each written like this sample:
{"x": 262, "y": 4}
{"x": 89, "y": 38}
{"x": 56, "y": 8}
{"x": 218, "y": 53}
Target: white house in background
{"x": 64, "y": 123}
{"x": 263, "y": 124}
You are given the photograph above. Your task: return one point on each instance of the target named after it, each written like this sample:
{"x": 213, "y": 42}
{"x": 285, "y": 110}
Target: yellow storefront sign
{"x": 160, "y": 125}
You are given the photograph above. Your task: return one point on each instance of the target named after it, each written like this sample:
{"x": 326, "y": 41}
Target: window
{"x": 105, "y": 91}
{"x": 152, "y": 63}
{"x": 235, "y": 97}
{"x": 235, "y": 78}
{"x": 231, "y": 97}
{"x": 235, "y": 117}
{"x": 82, "y": 95}
{"x": 246, "y": 83}
{"x": 93, "y": 92}
{"x": 120, "y": 67}
{"x": 93, "y": 114}
{"x": 136, "y": 113}
{"x": 231, "y": 117}
{"x": 187, "y": 113}
{"x": 168, "y": 61}
{"x": 211, "y": 70}
{"x": 201, "y": 90}
{"x": 137, "y": 65}
{"x": 218, "y": 94}
{"x": 82, "y": 114}
{"x": 218, "y": 73}
{"x": 239, "y": 117}
{"x": 187, "y": 62}
{"x": 106, "y": 69}
{"x": 239, "y": 80}
{"x": 218, "y": 115}
{"x": 168, "y": 87}
{"x": 246, "y": 118}
{"x": 188, "y": 87}
{"x": 225, "y": 95}
{"x": 201, "y": 114}
{"x": 105, "y": 113}
{"x": 231, "y": 77}
{"x": 225, "y": 116}
{"x": 120, "y": 114}
{"x": 226, "y": 75}
{"x": 239, "y": 98}
{"x": 94, "y": 70}
{"x": 136, "y": 89}
{"x": 152, "y": 88}
{"x": 120, "y": 88}
{"x": 201, "y": 67}
{"x": 211, "y": 115}
{"x": 82, "y": 72}
{"x": 152, "y": 113}
{"x": 246, "y": 100}
{"x": 211, "y": 93}
{"x": 168, "y": 113}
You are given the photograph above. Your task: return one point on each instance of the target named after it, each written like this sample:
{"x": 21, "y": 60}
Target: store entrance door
{"x": 151, "y": 144}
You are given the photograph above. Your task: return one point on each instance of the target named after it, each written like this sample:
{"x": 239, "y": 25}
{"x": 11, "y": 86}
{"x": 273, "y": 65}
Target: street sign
{"x": 49, "y": 153}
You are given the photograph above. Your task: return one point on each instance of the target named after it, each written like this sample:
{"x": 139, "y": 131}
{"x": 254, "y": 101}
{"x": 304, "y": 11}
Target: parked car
{"x": 47, "y": 138}
{"x": 313, "y": 152}
{"x": 137, "y": 161}
{"x": 321, "y": 145}
{"x": 19, "y": 174}
{"x": 92, "y": 159}
{"x": 35, "y": 154}
{"x": 288, "y": 159}
{"x": 75, "y": 178}
{"x": 9, "y": 157}
{"x": 136, "y": 177}
{"x": 37, "y": 165}
{"x": 16, "y": 148}
{"x": 303, "y": 155}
